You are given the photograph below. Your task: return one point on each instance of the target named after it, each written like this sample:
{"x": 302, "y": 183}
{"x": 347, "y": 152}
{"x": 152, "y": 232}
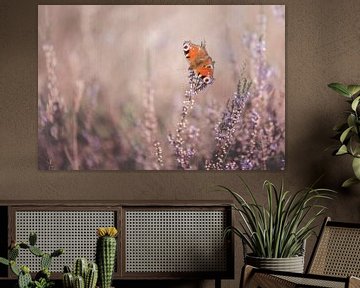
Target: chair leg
{"x": 217, "y": 283}
{"x": 246, "y": 273}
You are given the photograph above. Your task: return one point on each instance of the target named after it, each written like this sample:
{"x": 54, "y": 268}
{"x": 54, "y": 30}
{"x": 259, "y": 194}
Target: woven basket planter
{"x": 291, "y": 264}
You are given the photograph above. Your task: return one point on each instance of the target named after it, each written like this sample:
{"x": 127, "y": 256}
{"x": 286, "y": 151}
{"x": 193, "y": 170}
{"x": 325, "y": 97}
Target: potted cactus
{"x": 84, "y": 275}
{"x": 42, "y": 278}
{"x": 106, "y": 254}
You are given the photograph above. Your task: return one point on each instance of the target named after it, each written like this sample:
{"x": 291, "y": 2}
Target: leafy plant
{"x": 43, "y": 283}
{"x": 279, "y": 229}
{"x": 349, "y": 132}
{"x": 42, "y": 278}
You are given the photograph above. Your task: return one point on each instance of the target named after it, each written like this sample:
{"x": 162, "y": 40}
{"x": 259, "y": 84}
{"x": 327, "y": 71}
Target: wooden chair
{"x": 335, "y": 262}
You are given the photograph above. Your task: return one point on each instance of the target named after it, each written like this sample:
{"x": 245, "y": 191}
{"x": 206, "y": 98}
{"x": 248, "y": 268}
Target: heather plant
{"x": 226, "y": 128}
{"x": 184, "y": 150}
{"x": 82, "y": 127}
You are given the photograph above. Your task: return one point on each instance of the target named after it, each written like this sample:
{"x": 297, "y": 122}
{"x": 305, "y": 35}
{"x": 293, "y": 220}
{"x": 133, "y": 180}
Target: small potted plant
{"x": 84, "y": 274}
{"x": 348, "y": 132}
{"x": 275, "y": 233}
{"x": 42, "y": 278}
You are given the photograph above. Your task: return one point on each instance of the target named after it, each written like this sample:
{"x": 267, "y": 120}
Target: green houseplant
{"x": 275, "y": 233}
{"x": 42, "y": 278}
{"x": 348, "y": 132}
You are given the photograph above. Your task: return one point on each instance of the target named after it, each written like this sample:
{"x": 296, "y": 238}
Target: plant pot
{"x": 291, "y": 264}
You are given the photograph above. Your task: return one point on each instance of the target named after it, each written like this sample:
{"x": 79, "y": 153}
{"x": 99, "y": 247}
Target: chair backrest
{"x": 337, "y": 251}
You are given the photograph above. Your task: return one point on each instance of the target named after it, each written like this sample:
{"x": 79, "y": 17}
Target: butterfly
{"x": 200, "y": 61}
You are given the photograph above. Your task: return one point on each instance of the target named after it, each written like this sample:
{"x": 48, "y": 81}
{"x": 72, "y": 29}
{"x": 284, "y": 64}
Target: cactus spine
{"x": 106, "y": 254}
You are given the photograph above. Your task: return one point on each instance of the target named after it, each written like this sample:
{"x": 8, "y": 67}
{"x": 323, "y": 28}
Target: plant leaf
{"x": 342, "y": 150}
{"x": 345, "y": 134}
{"x": 353, "y": 89}
{"x": 340, "y": 88}
{"x": 355, "y": 103}
{"x": 14, "y": 268}
{"x": 351, "y": 119}
{"x": 4, "y": 261}
{"x": 354, "y": 145}
{"x": 356, "y": 167}
{"x": 349, "y": 182}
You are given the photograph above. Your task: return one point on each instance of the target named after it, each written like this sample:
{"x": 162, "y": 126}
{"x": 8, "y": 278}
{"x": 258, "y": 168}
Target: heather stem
{"x": 182, "y": 153}
{"x": 226, "y": 129}
{"x": 77, "y": 99}
{"x": 152, "y": 158}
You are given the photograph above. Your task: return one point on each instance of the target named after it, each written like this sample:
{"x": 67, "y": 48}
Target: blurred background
{"x": 111, "y": 84}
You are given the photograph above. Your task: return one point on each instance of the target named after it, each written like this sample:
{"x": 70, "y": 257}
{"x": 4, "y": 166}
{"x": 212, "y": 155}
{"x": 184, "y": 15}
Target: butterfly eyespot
{"x": 186, "y": 47}
{"x": 207, "y": 80}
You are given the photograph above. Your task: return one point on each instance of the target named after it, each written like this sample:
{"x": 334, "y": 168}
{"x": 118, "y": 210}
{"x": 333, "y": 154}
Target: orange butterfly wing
{"x": 194, "y": 53}
{"x": 206, "y": 68}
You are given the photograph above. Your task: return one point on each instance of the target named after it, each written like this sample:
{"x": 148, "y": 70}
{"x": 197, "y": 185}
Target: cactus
{"x": 91, "y": 276}
{"x": 67, "y": 269}
{"x": 44, "y": 273}
{"x": 14, "y": 268}
{"x": 57, "y": 253}
{"x": 45, "y": 261}
{"x": 36, "y": 251}
{"x": 24, "y": 245}
{"x": 80, "y": 268}
{"x": 13, "y": 253}
{"x": 79, "y": 282}
{"x": 24, "y": 277}
{"x": 42, "y": 278}
{"x": 87, "y": 272}
{"x": 68, "y": 280}
{"x": 105, "y": 254}
{"x": 32, "y": 239}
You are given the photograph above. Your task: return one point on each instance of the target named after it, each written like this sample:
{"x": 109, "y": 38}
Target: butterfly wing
{"x": 194, "y": 53}
{"x": 206, "y": 71}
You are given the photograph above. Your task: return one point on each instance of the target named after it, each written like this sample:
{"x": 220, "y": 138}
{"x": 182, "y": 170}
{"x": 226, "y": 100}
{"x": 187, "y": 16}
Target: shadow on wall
{"x": 333, "y": 170}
